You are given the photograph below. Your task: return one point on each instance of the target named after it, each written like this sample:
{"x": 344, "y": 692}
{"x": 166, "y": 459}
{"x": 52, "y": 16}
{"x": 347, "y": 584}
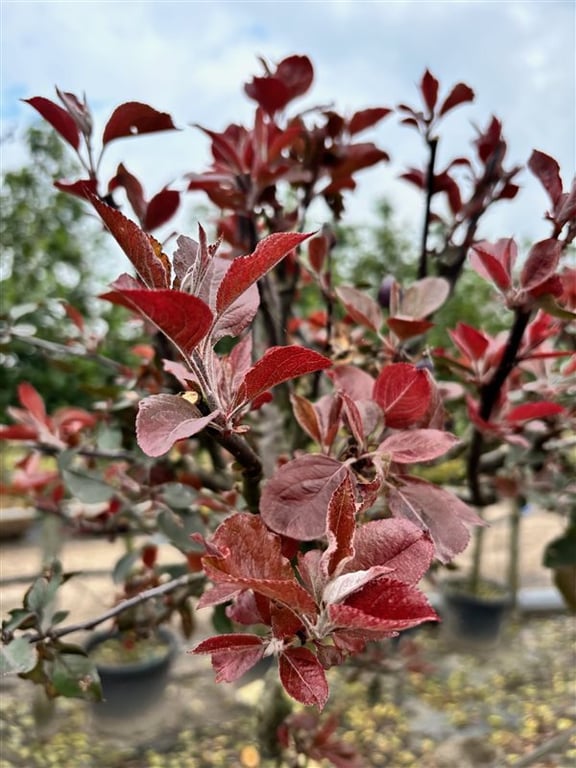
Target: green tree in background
{"x": 51, "y": 253}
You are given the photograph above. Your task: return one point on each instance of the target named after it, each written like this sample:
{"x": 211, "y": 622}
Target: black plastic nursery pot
{"x": 474, "y": 621}
{"x": 131, "y": 687}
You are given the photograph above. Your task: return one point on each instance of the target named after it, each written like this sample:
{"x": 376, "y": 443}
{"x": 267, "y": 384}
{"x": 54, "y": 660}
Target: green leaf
{"x": 220, "y": 621}
{"x": 59, "y": 617}
{"x": 20, "y": 618}
{"x": 17, "y": 657}
{"x": 88, "y": 487}
{"x": 178, "y": 529}
{"x": 38, "y": 596}
{"x": 75, "y": 676}
{"x": 178, "y": 495}
{"x": 108, "y": 438}
{"x": 548, "y": 304}
{"x": 124, "y": 566}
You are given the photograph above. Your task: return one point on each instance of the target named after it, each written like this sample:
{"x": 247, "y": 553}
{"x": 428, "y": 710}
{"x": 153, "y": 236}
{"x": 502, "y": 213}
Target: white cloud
{"x": 192, "y": 58}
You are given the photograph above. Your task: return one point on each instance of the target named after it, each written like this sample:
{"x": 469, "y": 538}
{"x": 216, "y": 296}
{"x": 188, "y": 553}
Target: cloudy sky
{"x": 191, "y": 59}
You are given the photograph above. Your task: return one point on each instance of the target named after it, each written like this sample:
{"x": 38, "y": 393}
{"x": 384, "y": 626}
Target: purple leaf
{"x": 295, "y": 500}
{"x": 416, "y": 445}
{"x": 303, "y": 677}
{"x": 164, "y": 419}
{"x": 232, "y": 655}
{"x": 395, "y": 543}
{"x": 547, "y": 170}
{"x": 361, "y": 307}
{"x": 541, "y": 263}
{"x": 435, "y": 510}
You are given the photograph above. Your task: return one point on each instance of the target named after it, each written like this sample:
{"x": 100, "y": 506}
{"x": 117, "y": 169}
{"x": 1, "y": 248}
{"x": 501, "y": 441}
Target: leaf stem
{"x": 423, "y": 265}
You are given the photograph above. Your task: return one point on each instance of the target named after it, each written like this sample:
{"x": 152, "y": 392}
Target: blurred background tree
{"x": 52, "y": 252}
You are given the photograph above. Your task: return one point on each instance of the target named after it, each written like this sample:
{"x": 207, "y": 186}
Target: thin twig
{"x": 148, "y": 594}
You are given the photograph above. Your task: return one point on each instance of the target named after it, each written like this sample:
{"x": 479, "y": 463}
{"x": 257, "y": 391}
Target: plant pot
{"x": 470, "y": 620}
{"x": 132, "y": 683}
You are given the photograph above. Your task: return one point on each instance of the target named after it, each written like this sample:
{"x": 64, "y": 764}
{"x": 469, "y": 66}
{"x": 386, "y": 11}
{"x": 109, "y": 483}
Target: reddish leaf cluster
{"x": 74, "y": 123}
{"x": 360, "y": 588}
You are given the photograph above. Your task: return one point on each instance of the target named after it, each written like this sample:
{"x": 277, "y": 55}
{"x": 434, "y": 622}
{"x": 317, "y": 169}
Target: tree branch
{"x": 423, "y": 265}
{"x": 148, "y": 594}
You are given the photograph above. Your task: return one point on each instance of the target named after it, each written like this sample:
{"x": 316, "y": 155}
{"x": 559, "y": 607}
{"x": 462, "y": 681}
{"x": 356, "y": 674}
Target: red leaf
{"x": 306, "y": 416}
{"x": 149, "y": 555}
{"x": 32, "y": 401}
{"x": 183, "y": 318}
{"x": 435, "y": 510}
{"x": 84, "y": 188}
{"x": 403, "y": 392}
{"x": 383, "y": 605}
{"x": 161, "y": 209}
{"x": 414, "y": 176}
{"x": 396, "y": 543}
{"x": 541, "y": 264}
{"x": 469, "y": 341}
{"x": 405, "y": 328}
{"x": 232, "y": 655}
{"x": 494, "y": 262}
{"x": 18, "y": 432}
{"x": 134, "y": 190}
{"x": 417, "y": 445}
{"x": 361, "y": 307}
{"x": 246, "y": 270}
{"x": 303, "y": 677}
{"x": 547, "y": 170}
{"x": 429, "y": 89}
{"x": 293, "y": 77}
{"x": 74, "y": 315}
{"x": 269, "y": 92}
{"x": 297, "y": 73}
{"x": 534, "y": 411}
{"x": 164, "y": 419}
{"x": 252, "y": 559}
{"x": 296, "y": 498}
{"x": 279, "y": 364}
{"x": 443, "y": 182}
{"x": 134, "y": 118}
{"x": 341, "y": 523}
{"x": 317, "y": 252}
{"x": 366, "y": 118}
{"x": 143, "y": 250}
{"x": 459, "y": 94}
{"x": 58, "y": 118}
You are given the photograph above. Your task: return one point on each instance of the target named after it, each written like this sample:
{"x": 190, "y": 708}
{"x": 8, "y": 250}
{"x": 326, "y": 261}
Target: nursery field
{"x": 420, "y": 703}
